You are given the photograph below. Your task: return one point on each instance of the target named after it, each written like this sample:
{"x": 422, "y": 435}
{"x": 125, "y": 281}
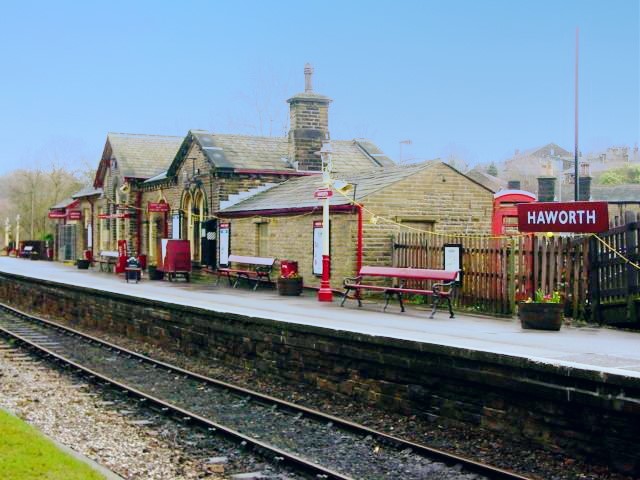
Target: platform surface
{"x": 591, "y": 348}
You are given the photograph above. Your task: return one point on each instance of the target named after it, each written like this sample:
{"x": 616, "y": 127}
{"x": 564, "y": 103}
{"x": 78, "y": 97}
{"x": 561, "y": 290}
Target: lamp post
{"x": 325, "y": 294}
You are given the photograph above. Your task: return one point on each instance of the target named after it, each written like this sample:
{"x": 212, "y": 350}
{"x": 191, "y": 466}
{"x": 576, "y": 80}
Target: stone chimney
{"x": 309, "y": 125}
{"x": 546, "y": 189}
{"x": 513, "y": 184}
{"x": 584, "y": 188}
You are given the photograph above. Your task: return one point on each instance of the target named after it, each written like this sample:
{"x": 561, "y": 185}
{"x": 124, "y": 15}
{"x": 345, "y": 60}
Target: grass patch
{"x": 25, "y": 454}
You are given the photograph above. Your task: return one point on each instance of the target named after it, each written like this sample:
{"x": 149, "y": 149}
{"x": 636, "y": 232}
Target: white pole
{"x": 17, "y": 232}
{"x": 7, "y": 227}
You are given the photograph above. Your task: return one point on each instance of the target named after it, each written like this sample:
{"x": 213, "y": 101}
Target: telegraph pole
{"x": 575, "y": 155}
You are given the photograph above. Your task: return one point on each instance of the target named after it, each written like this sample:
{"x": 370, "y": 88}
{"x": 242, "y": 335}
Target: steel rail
{"x": 383, "y": 438}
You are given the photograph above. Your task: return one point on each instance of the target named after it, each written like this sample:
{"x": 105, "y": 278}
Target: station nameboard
{"x": 575, "y": 217}
{"x": 74, "y": 214}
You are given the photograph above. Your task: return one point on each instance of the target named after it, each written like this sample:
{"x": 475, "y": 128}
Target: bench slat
{"x": 252, "y": 260}
{"x": 409, "y": 273}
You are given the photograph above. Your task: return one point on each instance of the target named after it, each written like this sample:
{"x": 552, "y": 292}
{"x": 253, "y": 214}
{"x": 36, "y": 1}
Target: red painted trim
{"x": 346, "y": 208}
{"x": 291, "y": 173}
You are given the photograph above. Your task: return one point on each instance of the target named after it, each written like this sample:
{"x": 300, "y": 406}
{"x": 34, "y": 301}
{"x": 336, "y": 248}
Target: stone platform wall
{"x": 564, "y": 409}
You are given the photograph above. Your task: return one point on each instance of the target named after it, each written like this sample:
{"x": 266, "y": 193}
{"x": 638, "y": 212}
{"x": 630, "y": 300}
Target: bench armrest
{"x": 436, "y": 287}
{"x": 352, "y": 280}
{"x": 264, "y": 268}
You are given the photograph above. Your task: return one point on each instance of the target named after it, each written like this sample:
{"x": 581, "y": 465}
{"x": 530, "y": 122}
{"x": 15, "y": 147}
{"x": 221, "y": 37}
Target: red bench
{"x": 442, "y": 289}
{"x": 260, "y": 271}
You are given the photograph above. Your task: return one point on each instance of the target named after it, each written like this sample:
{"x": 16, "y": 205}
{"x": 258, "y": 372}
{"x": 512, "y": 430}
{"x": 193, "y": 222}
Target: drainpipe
{"x": 93, "y": 232}
{"x": 139, "y": 222}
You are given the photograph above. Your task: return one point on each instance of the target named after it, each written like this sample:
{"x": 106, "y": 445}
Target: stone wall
{"x": 438, "y": 199}
{"x": 564, "y": 409}
{"x": 291, "y": 238}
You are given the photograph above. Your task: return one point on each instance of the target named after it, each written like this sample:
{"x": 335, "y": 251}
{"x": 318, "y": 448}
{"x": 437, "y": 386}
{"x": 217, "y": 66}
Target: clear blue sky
{"x": 476, "y": 79}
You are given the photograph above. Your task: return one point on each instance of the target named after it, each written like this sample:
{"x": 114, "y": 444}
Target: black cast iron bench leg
{"x": 387, "y": 296}
{"x": 344, "y": 297}
{"x": 450, "y": 308}
{"x": 436, "y": 300}
{"x": 400, "y": 301}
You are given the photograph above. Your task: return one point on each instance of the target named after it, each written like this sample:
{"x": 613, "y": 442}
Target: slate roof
{"x": 298, "y": 192}
{"x": 557, "y": 150}
{"x": 246, "y": 152}
{"x": 143, "y": 156}
{"x": 616, "y": 193}
{"x": 88, "y": 191}
{"x": 63, "y": 204}
{"x": 491, "y": 182}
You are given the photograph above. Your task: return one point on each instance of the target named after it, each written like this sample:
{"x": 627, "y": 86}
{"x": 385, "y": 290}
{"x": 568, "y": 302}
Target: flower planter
{"x": 541, "y": 316}
{"x": 290, "y": 286}
{"x": 154, "y": 273}
{"x": 83, "y": 264}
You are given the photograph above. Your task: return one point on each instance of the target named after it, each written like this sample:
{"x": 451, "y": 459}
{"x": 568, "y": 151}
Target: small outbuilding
{"x": 285, "y": 221}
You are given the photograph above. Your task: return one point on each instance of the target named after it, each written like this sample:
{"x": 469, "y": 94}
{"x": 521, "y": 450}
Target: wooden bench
{"x": 26, "y": 251}
{"x": 259, "y": 271}
{"x": 107, "y": 260}
{"x": 443, "y": 288}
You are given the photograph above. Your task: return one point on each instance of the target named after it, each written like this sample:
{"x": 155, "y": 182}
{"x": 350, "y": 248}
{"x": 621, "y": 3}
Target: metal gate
{"x": 66, "y": 243}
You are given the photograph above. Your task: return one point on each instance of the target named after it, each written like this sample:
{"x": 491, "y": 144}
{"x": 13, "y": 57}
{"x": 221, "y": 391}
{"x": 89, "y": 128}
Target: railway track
{"x": 307, "y": 441}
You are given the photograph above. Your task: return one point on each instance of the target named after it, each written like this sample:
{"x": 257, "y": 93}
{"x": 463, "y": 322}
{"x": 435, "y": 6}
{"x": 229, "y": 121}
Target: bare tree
{"x": 32, "y": 192}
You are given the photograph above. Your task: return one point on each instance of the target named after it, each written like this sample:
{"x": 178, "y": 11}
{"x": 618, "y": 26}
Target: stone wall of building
{"x": 437, "y": 199}
{"x": 291, "y": 238}
{"x": 567, "y": 410}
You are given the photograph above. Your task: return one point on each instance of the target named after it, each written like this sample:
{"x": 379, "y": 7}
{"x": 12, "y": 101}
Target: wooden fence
{"x": 499, "y": 272}
{"x": 614, "y": 281}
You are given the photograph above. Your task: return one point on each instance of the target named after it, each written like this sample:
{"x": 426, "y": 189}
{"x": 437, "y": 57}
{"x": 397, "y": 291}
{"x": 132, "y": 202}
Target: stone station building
{"x": 149, "y": 187}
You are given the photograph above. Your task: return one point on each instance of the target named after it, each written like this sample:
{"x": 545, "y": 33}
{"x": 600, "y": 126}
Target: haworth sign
{"x": 576, "y": 217}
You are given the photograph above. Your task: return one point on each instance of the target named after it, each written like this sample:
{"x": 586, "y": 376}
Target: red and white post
{"x": 325, "y": 294}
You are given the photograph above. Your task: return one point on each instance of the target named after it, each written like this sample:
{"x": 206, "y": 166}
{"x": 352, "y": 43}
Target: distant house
{"x": 282, "y": 221}
{"x": 527, "y": 165}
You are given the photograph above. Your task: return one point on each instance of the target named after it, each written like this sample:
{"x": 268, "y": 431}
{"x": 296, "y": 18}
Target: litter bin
{"x": 132, "y": 270}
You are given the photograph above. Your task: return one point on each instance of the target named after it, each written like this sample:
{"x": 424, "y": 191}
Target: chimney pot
{"x": 308, "y": 74}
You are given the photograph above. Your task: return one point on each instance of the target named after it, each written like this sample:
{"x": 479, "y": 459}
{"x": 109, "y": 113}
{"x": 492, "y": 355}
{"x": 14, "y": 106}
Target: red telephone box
{"x": 505, "y": 210}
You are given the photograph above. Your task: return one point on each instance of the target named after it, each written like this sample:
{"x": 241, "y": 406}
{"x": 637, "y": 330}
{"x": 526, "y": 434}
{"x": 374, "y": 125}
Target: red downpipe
{"x": 139, "y": 223}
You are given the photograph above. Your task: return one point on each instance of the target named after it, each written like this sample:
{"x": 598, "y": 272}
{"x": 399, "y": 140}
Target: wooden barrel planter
{"x": 154, "y": 273}
{"x": 290, "y": 286}
{"x": 541, "y": 316}
{"x": 83, "y": 264}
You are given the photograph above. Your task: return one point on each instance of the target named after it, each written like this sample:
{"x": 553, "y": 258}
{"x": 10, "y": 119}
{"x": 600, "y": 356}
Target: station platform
{"x": 590, "y": 348}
